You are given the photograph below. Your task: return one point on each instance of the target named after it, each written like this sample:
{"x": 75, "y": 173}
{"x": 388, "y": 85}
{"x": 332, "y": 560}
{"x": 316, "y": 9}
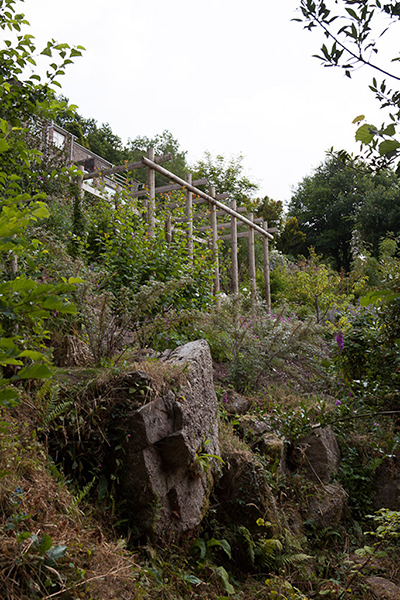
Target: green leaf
{"x": 36, "y": 371}
{"x": 45, "y": 544}
{"x": 378, "y": 296}
{"x": 352, "y": 13}
{"x": 228, "y": 587}
{"x": 8, "y": 397}
{"x": 21, "y": 537}
{"x": 3, "y": 145}
{"x": 56, "y": 552}
{"x": 389, "y": 130}
{"x": 192, "y": 579}
{"x": 365, "y": 133}
{"x": 222, "y": 544}
{"x": 201, "y": 545}
{"x": 33, "y": 354}
{"x": 41, "y": 212}
{"x": 22, "y": 284}
{"x": 388, "y": 146}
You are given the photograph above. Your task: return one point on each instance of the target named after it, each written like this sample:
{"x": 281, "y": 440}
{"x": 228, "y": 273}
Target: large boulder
{"x": 327, "y": 506}
{"x": 318, "y": 453}
{"x": 272, "y": 447}
{"x": 383, "y": 589}
{"x": 386, "y": 485}
{"x": 167, "y": 474}
{"x": 236, "y": 404}
{"x": 243, "y": 493}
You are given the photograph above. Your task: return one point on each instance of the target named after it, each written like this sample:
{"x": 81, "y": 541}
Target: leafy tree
{"x": 101, "y": 140}
{"x": 24, "y": 302}
{"x": 379, "y": 213}
{"x": 342, "y": 198}
{"x": 353, "y": 29}
{"x": 325, "y": 205}
{"x": 271, "y": 211}
{"x": 291, "y": 239}
{"x": 163, "y": 143}
{"x": 226, "y": 175}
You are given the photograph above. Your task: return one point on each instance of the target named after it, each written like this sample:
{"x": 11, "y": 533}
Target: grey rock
{"x": 271, "y": 446}
{"x": 236, "y": 404}
{"x": 252, "y": 427}
{"x": 386, "y": 485}
{"x": 327, "y": 506}
{"x": 320, "y": 454}
{"x": 162, "y": 493}
{"x": 244, "y": 494}
{"x": 383, "y": 589}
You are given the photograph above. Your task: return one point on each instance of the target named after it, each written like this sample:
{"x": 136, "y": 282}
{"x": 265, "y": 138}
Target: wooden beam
{"x": 129, "y": 167}
{"x": 196, "y": 201}
{"x": 200, "y": 240}
{"x": 220, "y": 213}
{"x": 167, "y": 188}
{"x": 207, "y": 197}
{"x": 85, "y": 187}
{"x": 244, "y": 234}
{"x": 222, "y": 196}
{"x": 228, "y": 225}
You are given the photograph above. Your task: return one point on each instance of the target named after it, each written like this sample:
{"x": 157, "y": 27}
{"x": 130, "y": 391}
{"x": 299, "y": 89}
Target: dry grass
{"x": 33, "y": 501}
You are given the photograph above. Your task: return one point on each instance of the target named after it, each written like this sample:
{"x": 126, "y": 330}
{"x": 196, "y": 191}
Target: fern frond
{"x": 80, "y": 496}
{"x": 56, "y": 411}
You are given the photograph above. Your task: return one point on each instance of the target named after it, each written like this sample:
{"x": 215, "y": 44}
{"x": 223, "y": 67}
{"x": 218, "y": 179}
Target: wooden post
{"x": 168, "y": 229}
{"x": 234, "y": 251}
{"x": 267, "y": 286}
{"x": 214, "y": 243}
{"x": 252, "y": 266}
{"x": 151, "y": 205}
{"x": 189, "y": 218}
{"x": 14, "y": 263}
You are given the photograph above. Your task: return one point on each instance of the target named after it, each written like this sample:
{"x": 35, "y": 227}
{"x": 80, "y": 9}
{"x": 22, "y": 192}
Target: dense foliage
{"x": 340, "y": 199}
{"x": 25, "y": 301}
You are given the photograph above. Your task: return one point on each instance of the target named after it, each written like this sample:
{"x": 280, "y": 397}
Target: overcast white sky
{"x": 229, "y": 76}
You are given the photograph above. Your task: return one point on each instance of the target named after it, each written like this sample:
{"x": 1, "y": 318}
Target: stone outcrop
{"x": 383, "y": 589}
{"x": 165, "y": 482}
{"x": 319, "y": 454}
{"x": 243, "y": 492}
{"x": 272, "y": 447}
{"x": 252, "y": 427}
{"x": 236, "y": 404}
{"x": 327, "y": 506}
{"x": 386, "y": 485}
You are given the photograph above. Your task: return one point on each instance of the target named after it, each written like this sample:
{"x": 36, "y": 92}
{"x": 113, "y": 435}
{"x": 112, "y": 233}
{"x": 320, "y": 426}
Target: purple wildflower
{"x": 339, "y": 340}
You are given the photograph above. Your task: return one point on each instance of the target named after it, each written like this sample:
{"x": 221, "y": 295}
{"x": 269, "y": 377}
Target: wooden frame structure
{"x": 215, "y": 208}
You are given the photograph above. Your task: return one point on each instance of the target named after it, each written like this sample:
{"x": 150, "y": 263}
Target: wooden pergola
{"x": 216, "y": 208}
